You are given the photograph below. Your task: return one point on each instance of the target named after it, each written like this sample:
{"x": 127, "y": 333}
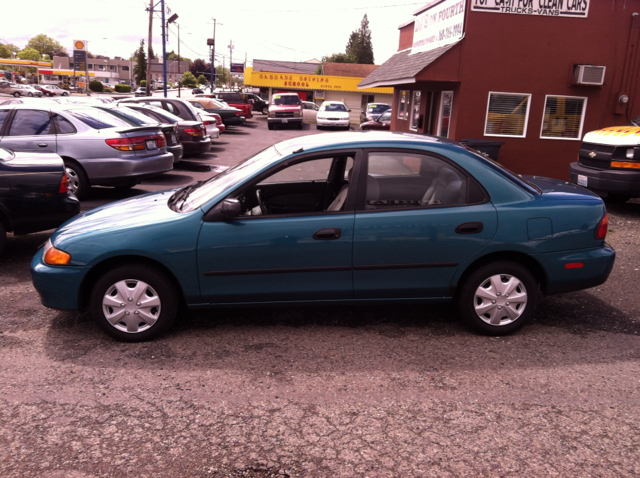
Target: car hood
{"x": 558, "y": 187}
{"x": 134, "y": 213}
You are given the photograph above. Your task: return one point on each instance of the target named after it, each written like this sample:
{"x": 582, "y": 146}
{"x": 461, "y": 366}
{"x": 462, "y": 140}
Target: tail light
{"x": 195, "y": 131}
{"x": 136, "y": 143}
{"x": 64, "y": 184}
{"x": 601, "y": 230}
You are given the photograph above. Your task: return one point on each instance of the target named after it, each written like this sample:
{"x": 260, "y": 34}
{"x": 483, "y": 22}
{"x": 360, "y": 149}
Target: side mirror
{"x": 230, "y": 207}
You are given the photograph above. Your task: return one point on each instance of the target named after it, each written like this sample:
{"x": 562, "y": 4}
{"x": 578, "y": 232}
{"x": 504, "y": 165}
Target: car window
{"x": 386, "y": 116}
{"x": 3, "y": 116}
{"x": 129, "y": 115}
{"x": 30, "y": 122}
{"x": 315, "y": 170}
{"x": 334, "y": 107}
{"x": 63, "y": 125}
{"x": 397, "y": 180}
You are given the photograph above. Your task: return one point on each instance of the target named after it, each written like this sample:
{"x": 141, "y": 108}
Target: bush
{"x": 96, "y": 86}
{"x": 143, "y": 84}
{"x": 123, "y": 88}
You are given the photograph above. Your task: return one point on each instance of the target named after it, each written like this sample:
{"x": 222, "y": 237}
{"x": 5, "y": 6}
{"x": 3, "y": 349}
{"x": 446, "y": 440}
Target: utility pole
{"x": 212, "y": 43}
{"x": 172, "y": 19}
{"x": 164, "y": 50}
{"x": 149, "y": 48}
{"x": 230, "y": 62}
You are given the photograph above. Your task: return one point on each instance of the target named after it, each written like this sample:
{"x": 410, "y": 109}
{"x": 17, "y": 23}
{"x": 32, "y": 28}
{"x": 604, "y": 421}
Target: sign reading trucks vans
{"x": 549, "y": 8}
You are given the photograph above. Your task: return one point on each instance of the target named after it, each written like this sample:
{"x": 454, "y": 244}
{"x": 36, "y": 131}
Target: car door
{"x": 418, "y": 219}
{"x": 29, "y": 130}
{"x": 283, "y": 255}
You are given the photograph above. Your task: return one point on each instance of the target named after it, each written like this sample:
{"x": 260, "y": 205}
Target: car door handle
{"x": 470, "y": 228}
{"x": 327, "y": 234}
{"x": 42, "y": 145}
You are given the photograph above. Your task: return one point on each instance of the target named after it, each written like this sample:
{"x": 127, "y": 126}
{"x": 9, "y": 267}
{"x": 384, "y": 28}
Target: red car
{"x": 382, "y": 123}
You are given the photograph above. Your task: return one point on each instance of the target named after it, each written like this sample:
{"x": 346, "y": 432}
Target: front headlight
{"x": 55, "y": 257}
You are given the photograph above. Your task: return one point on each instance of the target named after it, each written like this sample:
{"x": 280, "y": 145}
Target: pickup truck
{"x": 285, "y": 109}
{"x": 235, "y": 99}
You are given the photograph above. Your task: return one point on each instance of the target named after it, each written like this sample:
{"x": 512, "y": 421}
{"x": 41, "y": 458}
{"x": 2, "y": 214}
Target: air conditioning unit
{"x": 589, "y": 74}
{"x": 319, "y": 95}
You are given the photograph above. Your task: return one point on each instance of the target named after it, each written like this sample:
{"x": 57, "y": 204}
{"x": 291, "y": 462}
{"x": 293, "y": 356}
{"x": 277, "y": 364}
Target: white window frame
{"x": 526, "y": 117}
{"x": 584, "y": 110}
{"x": 441, "y": 111}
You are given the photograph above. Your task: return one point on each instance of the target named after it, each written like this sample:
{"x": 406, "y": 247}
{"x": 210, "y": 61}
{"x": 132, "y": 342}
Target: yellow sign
{"x": 79, "y": 45}
{"x": 29, "y": 63}
{"x": 307, "y": 82}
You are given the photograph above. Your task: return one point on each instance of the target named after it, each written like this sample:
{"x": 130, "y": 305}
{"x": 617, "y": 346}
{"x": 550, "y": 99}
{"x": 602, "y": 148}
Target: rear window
{"x": 96, "y": 118}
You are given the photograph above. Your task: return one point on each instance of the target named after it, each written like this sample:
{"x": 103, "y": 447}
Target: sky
{"x": 258, "y": 29}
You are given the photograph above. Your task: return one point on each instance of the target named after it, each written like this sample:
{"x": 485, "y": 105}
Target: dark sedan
{"x": 230, "y": 116}
{"x": 381, "y": 123}
{"x": 192, "y": 142}
{"x": 34, "y": 193}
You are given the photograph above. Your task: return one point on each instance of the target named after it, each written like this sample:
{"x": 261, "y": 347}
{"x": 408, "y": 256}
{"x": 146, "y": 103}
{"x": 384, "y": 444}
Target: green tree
{"x": 45, "y": 45}
{"x": 30, "y": 54}
{"x": 188, "y": 79}
{"x": 174, "y": 57}
{"x": 5, "y": 52}
{"x": 359, "y": 45}
{"x": 202, "y": 80}
{"x": 222, "y": 75}
{"x": 359, "y": 48}
{"x": 140, "y": 68}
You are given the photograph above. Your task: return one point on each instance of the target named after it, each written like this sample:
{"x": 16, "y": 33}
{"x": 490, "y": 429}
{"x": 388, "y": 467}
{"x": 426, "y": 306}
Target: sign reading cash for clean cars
{"x": 549, "y": 8}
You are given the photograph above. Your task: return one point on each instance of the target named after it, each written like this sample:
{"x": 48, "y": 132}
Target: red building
{"x": 533, "y": 74}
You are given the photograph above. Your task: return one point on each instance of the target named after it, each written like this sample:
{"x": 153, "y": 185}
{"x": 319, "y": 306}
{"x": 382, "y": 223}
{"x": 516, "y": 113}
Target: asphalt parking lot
{"x": 321, "y": 392}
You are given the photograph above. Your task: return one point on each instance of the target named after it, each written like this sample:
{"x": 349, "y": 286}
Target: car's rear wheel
{"x": 16, "y": 94}
{"x": 265, "y": 110}
{"x": 78, "y": 180}
{"x": 134, "y": 303}
{"x": 498, "y": 298}
{"x": 30, "y": 94}
{"x": 65, "y": 93}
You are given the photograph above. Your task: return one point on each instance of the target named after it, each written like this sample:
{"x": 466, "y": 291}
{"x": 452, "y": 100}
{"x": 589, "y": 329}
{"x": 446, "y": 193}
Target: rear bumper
{"x": 49, "y": 216}
{"x": 597, "y": 262}
{"x": 197, "y": 147}
{"x": 116, "y": 171}
{"x": 177, "y": 150}
{"x": 234, "y": 120}
{"x": 605, "y": 181}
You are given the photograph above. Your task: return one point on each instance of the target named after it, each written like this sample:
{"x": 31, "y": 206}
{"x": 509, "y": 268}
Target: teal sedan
{"x": 341, "y": 218}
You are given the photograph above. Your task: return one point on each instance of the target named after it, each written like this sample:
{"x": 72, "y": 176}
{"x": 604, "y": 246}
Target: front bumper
{"x": 606, "y": 181}
{"x": 342, "y": 123}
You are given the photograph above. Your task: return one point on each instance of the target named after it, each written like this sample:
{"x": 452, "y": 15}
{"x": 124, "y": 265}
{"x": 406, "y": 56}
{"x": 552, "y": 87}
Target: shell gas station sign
{"x": 304, "y": 81}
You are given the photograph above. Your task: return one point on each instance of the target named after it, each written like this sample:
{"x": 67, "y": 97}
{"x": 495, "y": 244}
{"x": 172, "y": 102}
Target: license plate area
{"x": 582, "y": 180}
{"x": 151, "y": 144}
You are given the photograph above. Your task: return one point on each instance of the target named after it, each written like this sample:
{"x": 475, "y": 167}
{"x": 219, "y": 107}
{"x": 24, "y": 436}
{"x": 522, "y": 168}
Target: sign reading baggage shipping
{"x": 548, "y": 8}
{"x": 439, "y": 26}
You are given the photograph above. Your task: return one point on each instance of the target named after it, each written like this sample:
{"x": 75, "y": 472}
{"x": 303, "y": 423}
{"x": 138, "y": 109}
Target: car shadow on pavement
{"x": 355, "y": 338}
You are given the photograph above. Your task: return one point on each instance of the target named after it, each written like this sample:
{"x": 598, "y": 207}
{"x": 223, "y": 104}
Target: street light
{"x": 172, "y": 19}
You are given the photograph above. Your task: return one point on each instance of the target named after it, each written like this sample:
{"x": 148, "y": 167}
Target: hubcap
{"x": 74, "y": 180}
{"x": 500, "y": 299}
{"x": 131, "y": 306}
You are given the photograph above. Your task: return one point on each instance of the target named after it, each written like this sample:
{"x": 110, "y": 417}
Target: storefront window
{"x": 403, "y": 107}
{"x": 415, "y": 111}
{"x": 507, "y": 114}
{"x": 444, "y": 118}
{"x": 563, "y": 117}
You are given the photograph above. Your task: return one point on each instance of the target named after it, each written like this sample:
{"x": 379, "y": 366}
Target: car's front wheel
{"x": 16, "y": 94}
{"x": 65, "y": 93}
{"x": 134, "y": 303}
{"x": 30, "y": 94}
{"x": 78, "y": 180}
{"x": 265, "y": 110}
{"x": 498, "y": 298}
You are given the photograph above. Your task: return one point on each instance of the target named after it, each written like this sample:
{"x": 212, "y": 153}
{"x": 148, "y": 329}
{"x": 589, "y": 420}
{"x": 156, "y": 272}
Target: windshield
{"x": 286, "y": 100}
{"x": 378, "y": 108}
{"x": 334, "y": 107}
{"x": 223, "y": 182}
{"x": 386, "y": 116}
